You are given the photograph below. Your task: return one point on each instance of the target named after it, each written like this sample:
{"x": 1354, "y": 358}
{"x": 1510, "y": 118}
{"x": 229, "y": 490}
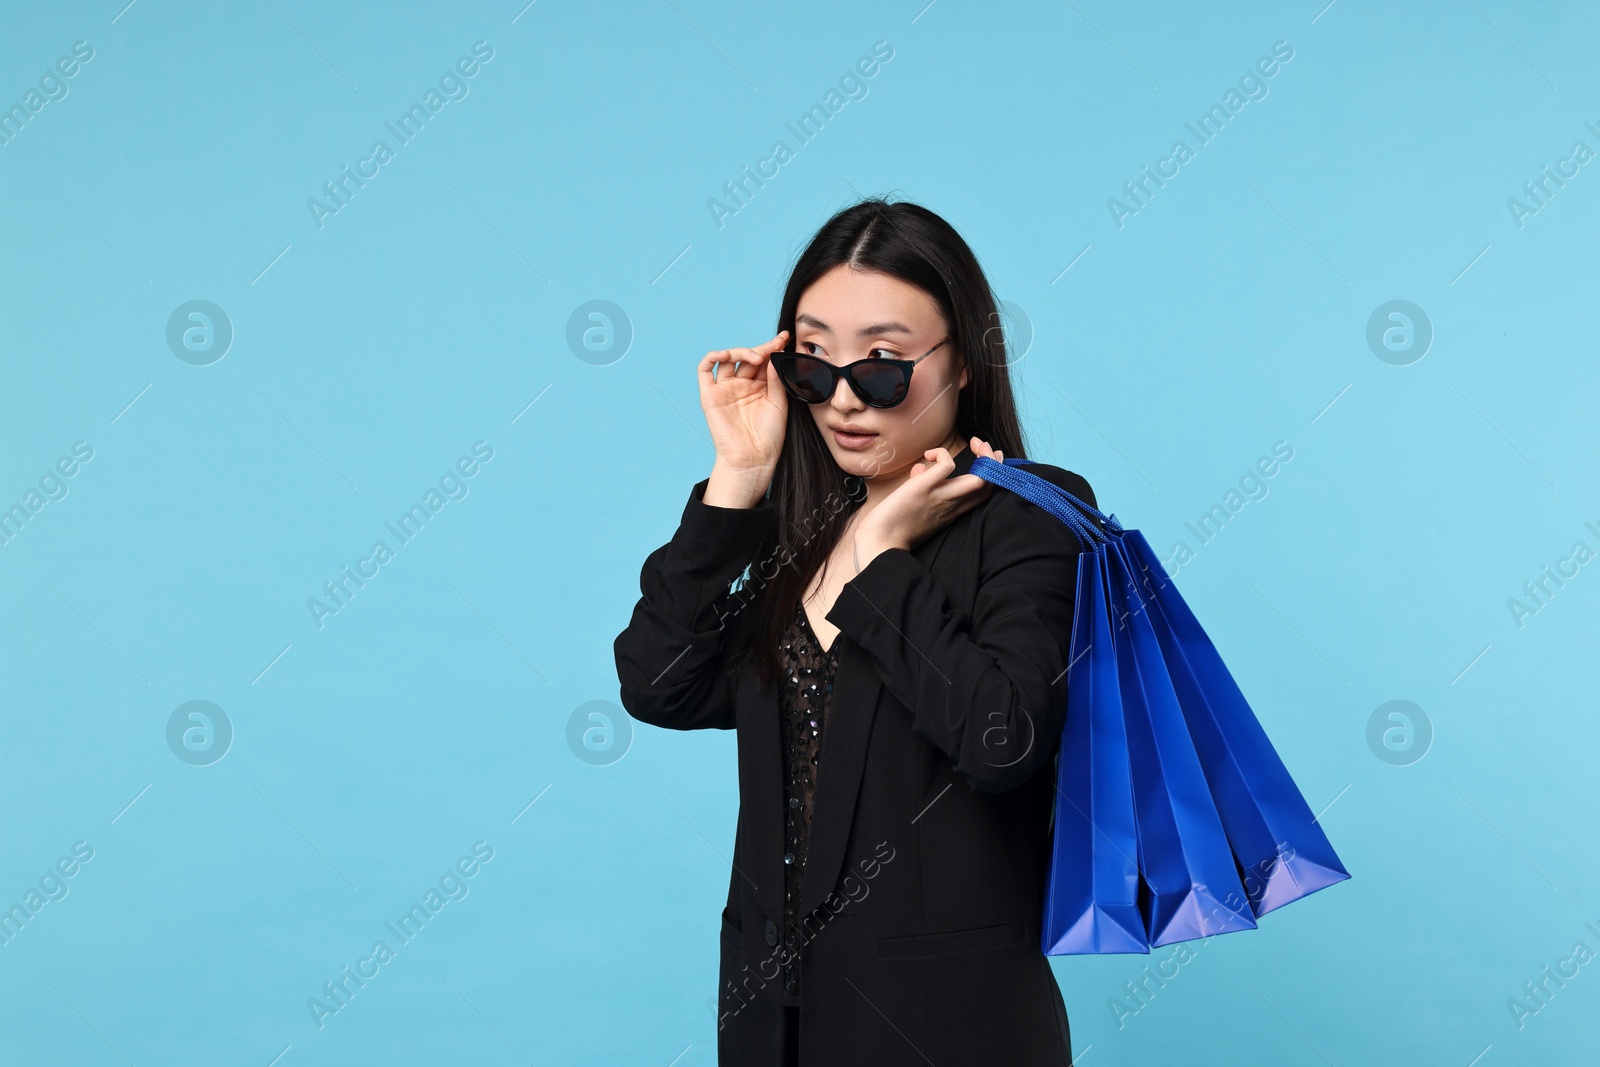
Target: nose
{"x": 844, "y": 397}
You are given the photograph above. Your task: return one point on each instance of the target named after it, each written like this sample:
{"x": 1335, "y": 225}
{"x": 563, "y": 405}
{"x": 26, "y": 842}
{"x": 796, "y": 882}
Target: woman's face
{"x": 849, "y": 314}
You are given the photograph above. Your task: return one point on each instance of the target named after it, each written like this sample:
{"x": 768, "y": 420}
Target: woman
{"x": 894, "y": 662}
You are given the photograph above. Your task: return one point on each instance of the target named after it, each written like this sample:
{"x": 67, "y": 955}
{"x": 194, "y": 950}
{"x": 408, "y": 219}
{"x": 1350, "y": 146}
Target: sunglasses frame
{"x": 786, "y": 359}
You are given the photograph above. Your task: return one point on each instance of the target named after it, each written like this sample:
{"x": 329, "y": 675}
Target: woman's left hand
{"x": 927, "y": 501}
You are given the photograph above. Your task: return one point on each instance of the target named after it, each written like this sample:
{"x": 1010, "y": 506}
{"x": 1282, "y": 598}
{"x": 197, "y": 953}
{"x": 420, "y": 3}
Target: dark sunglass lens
{"x": 885, "y": 386}
{"x": 807, "y": 377}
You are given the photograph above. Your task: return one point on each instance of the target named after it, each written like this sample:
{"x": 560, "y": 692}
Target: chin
{"x": 868, "y": 464}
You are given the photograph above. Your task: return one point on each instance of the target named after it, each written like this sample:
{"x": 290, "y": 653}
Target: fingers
{"x": 758, "y": 363}
{"x": 940, "y": 460}
{"x": 761, "y": 351}
{"x": 936, "y": 463}
{"x": 748, "y": 362}
{"x": 939, "y": 482}
{"x": 980, "y": 447}
{"x": 775, "y": 390}
{"x": 967, "y": 489}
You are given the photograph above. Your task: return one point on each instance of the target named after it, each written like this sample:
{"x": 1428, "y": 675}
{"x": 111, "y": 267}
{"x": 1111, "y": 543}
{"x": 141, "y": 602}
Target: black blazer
{"x": 930, "y": 834}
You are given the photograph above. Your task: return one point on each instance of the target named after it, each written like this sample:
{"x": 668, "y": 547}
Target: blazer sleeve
{"x": 990, "y": 691}
{"x": 670, "y": 659}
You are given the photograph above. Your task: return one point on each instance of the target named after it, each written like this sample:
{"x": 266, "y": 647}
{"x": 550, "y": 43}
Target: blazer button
{"x": 772, "y": 932}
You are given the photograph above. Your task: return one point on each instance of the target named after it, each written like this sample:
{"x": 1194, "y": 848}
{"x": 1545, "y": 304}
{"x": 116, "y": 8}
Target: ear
{"x": 964, "y": 376}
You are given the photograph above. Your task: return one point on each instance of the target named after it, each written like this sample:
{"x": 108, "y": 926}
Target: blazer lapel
{"x": 857, "y": 692}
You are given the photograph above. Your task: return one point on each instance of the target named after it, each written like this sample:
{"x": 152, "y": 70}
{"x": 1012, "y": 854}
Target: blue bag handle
{"x": 1049, "y": 496}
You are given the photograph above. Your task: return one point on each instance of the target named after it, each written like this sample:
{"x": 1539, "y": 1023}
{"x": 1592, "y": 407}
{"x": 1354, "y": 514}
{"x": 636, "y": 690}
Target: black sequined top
{"x": 808, "y": 684}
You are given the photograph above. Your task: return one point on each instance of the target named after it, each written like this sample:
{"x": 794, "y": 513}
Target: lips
{"x": 852, "y": 440}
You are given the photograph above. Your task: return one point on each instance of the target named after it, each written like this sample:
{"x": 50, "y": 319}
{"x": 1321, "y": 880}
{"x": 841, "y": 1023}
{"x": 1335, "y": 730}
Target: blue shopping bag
{"x": 1092, "y": 898}
{"x": 1193, "y": 888}
{"x": 1282, "y": 853}
{"x": 1158, "y": 733}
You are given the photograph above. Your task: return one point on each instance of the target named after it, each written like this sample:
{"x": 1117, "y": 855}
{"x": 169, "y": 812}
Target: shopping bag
{"x": 1190, "y": 760}
{"x": 1282, "y": 853}
{"x": 1092, "y": 897}
{"x": 1193, "y": 887}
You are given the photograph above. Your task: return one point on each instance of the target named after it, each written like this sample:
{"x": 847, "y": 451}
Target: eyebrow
{"x": 867, "y": 331}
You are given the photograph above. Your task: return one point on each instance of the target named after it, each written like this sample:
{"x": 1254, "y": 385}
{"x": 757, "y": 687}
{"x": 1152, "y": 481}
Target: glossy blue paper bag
{"x": 1153, "y": 712}
{"x": 1193, "y": 888}
{"x": 1092, "y": 898}
{"x": 1282, "y": 852}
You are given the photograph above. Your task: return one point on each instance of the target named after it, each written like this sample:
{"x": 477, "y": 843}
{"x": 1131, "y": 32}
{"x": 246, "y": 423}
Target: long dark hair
{"x": 812, "y": 496}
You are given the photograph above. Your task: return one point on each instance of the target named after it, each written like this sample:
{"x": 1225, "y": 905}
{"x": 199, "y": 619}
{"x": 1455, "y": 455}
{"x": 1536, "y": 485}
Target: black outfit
{"x": 917, "y": 919}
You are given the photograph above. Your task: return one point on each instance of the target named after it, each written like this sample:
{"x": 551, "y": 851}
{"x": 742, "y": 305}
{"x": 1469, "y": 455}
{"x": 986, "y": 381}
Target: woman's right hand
{"x": 746, "y": 411}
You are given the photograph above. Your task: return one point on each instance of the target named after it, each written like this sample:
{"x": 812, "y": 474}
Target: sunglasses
{"x": 880, "y": 383}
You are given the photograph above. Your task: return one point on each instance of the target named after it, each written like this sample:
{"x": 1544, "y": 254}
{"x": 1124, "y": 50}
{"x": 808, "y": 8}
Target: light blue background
{"x": 432, "y": 310}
